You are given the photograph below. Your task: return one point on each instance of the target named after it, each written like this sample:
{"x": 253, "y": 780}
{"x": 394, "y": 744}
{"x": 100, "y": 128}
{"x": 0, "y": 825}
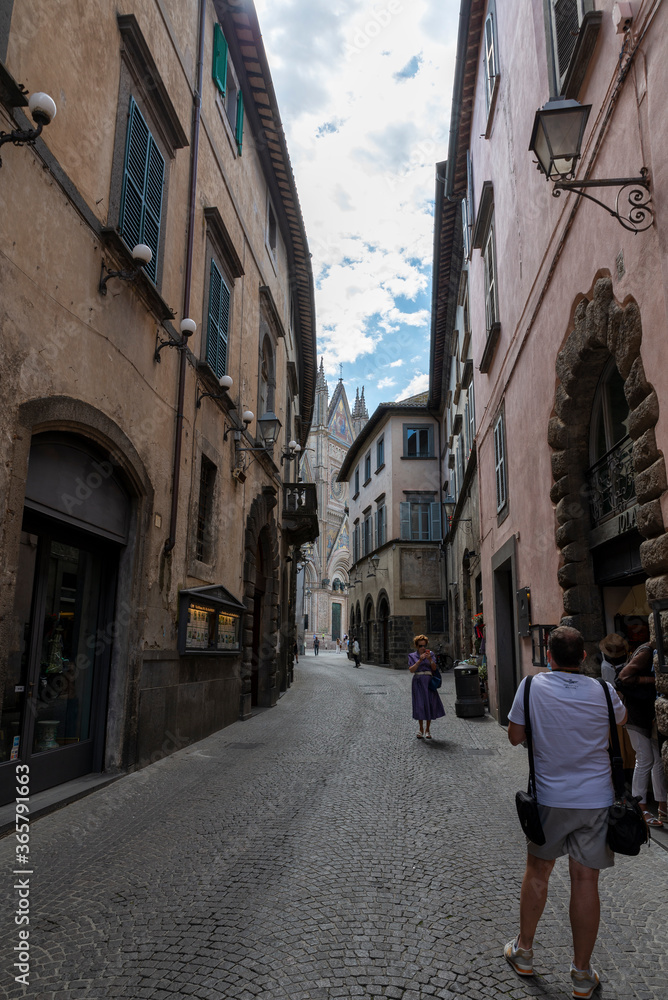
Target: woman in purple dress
{"x": 426, "y": 703}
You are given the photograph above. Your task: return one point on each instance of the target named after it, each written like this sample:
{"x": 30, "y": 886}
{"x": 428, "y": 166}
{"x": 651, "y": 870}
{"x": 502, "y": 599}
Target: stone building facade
{"x": 394, "y": 475}
{"x": 566, "y": 305}
{"x": 322, "y": 586}
{"x": 149, "y": 498}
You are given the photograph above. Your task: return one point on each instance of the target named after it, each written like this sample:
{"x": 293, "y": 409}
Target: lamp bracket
{"x": 637, "y": 217}
{"x": 126, "y": 274}
{"x": 23, "y": 136}
{"x": 180, "y": 345}
{"x": 212, "y": 395}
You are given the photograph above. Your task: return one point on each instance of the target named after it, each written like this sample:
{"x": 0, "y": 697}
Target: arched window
{"x": 610, "y": 414}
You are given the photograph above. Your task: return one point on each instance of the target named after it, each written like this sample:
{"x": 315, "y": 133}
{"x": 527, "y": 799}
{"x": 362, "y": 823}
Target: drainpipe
{"x": 197, "y": 106}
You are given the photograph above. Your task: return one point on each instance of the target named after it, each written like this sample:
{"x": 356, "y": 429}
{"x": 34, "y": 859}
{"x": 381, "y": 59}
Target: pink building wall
{"x": 538, "y": 294}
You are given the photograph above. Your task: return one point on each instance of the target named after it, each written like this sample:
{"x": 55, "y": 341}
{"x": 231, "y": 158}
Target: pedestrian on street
{"x": 338, "y": 645}
{"x": 637, "y": 685}
{"x": 569, "y": 728}
{"x": 427, "y": 704}
{"x": 316, "y": 644}
{"x": 295, "y": 650}
{"x": 614, "y": 654}
{"x": 356, "y": 652}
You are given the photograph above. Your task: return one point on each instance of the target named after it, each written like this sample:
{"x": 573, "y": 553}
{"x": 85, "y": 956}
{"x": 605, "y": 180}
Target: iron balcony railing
{"x": 611, "y": 483}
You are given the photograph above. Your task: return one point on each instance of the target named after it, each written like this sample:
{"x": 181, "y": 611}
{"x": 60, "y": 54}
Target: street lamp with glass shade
{"x": 269, "y": 426}
{"x": 42, "y": 108}
{"x": 556, "y": 139}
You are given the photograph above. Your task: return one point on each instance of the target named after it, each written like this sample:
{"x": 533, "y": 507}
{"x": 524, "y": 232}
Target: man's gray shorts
{"x": 580, "y": 833}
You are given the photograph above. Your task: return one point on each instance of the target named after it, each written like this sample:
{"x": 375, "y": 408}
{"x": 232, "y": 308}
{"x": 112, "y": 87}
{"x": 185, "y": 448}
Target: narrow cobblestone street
{"x": 317, "y": 851}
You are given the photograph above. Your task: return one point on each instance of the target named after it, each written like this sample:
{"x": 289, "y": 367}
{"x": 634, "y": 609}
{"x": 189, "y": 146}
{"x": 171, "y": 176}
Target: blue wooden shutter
{"x": 219, "y": 65}
{"x": 143, "y": 181}
{"x": 405, "y": 520}
{"x": 239, "y": 132}
{"x": 435, "y": 518}
{"x": 219, "y": 321}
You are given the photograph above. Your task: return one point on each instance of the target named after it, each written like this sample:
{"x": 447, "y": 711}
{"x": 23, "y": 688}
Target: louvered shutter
{"x": 219, "y": 65}
{"x": 565, "y": 28}
{"x": 219, "y": 319}
{"x": 377, "y": 518}
{"x": 405, "y": 520}
{"x": 143, "y": 181}
{"x": 239, "y": 131}
{"x": 500, "y": 464}
{"x": 435, "y": 519}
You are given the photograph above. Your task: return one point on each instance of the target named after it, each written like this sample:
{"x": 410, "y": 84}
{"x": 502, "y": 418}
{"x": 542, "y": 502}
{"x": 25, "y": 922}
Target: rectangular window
{"x": 471, "y": 415}
{"x": 226, "y": 81}
{"x": 491, "y": 62}
{"x": 418, "y": 441}
{"x": 272, "y": 230}
{"x": 380, "y": 453}
{"x": 207, "y": 476}
{"x": 420, "y": 522}
{"x": 500, "y": 464}
{"x": 367, "y": 468}
{"x": 491, "y": 292}
{"x": 566, "y": 17}
{"x": 141, "y": 195}
{"x": 367, "y": 535}
{"x": 357, "y": 480}
{"x": 218, "y": 322}
{"x": 356, "y": 542}
{"x": 437, "y": 617}
{"x": 381, "y": 525}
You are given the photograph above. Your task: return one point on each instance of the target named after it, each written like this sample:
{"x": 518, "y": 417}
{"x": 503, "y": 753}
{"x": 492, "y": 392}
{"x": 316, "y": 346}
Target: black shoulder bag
{"x": 627, "y": 829}
{"x": 526, "y": 802}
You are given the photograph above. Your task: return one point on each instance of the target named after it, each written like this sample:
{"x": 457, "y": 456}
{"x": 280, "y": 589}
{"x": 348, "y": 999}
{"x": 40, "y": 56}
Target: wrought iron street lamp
{"x": 43, "y": 110}
{"x": 556, "y": 141}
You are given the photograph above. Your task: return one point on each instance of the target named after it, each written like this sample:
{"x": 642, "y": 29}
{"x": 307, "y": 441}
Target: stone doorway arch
{"x": 259, "y": 663}
{"x": 602, "y": 328}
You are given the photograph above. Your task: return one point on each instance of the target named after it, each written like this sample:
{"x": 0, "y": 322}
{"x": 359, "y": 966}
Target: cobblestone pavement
{"x": 317, "y": 851}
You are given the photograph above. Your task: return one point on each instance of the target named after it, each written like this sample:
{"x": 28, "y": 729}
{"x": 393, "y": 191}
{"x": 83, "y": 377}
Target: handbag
{"x": 526, "y": 802}
{"x": 435, "y": 680}
{"x": 627, "y": 829}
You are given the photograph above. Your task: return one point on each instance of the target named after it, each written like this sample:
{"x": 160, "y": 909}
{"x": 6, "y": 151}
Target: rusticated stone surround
{"x": 601, "y": 329}
{"x": 261, "y": 530}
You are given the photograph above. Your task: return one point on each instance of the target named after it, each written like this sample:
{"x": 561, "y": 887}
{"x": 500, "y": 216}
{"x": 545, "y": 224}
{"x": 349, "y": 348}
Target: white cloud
{"x": 396, "y": 364}
{"x": 363, "y": 147}
{"x": 385, "y": 383}
{"x": 419, "y": 383}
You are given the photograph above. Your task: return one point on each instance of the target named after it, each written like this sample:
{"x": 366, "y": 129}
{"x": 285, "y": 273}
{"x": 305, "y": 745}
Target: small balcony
{"x": 300, "y": 512}
{"x": 611, "y": 484}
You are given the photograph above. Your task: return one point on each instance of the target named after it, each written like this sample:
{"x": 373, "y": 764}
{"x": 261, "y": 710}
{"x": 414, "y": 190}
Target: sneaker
{"x": 584, "y": 982}
{"x": 521, "y": 959}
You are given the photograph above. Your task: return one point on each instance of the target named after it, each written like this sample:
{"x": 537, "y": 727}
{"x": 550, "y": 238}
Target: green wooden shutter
{"x": 239, "y": 132}
{"x": 219, "y": 320}
{"x": 405, "y": 520}
{"x": 143, "y": 182}
{"x": 219, "y": 65}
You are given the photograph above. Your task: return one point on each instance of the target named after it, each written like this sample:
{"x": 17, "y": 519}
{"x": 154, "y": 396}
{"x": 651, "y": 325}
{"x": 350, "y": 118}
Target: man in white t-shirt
{"x": 570, "y": 731}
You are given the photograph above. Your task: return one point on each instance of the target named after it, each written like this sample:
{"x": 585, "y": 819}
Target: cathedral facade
{"x": 323, "y": 580}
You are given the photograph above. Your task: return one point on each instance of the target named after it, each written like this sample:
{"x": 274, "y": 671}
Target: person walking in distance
{"x": 427, "y": 704}
{"x": 356, "y": 652}
{"x": 569, "y": 726}
{"x": 316, "y": 645}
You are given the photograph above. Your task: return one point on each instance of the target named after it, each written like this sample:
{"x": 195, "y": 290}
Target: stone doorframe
{"x": 602, "y": 328}
{"x": 260, "y": 517}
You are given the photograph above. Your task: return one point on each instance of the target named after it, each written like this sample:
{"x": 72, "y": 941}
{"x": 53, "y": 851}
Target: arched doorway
{"x": 76, "y": 523}
{"x": 259, "y": 668}
{"x": 368, "y": 631}
{"x": 383, "y": 630}
{"x": 608, "y": 472}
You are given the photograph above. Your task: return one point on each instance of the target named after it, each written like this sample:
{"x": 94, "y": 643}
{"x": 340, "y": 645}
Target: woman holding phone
{"x": 427, "y": 704}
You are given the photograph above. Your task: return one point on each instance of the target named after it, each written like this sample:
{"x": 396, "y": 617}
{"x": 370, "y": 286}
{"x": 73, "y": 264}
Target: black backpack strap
{"x": 614, "y": 750}
{"x": 527, "y": 727}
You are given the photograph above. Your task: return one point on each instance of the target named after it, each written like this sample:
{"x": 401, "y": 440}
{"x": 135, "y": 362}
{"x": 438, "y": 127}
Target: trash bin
{"x": 468, "y": 701}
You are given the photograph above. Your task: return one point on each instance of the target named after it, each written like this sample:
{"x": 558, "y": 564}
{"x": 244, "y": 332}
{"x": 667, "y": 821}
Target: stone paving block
{"x": 338, "y": 860}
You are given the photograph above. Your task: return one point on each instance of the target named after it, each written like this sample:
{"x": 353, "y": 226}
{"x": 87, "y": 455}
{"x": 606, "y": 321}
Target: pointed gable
{"x": 339, "y": 420}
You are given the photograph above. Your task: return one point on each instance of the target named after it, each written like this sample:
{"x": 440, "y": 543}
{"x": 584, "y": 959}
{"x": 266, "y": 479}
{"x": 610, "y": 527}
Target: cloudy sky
{"x": 364, "y": 90}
